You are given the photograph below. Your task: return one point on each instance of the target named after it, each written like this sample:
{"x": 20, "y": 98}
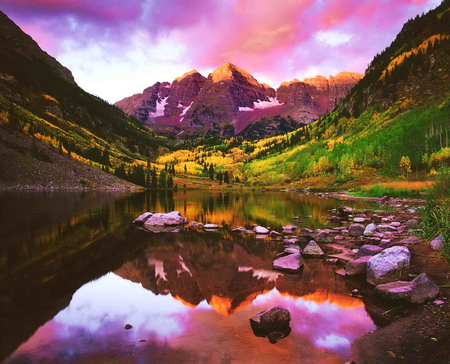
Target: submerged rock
{"x": 290, "y": 228}
{"x": 421, "y": 289}
{"x": 390, "y": 265}
{"x": 290, "y": 263}
{"x": 313, "y": 249}
{"x": 271, "y": 318}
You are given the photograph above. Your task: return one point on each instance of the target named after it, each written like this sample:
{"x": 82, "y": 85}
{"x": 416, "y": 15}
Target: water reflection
{"x": 77, "y": 272}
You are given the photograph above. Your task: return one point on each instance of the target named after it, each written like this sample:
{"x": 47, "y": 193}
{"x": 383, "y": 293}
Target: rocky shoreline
{"x": 380, "y": 245}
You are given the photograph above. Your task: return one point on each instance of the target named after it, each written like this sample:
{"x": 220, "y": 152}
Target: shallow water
{"x": 74, "y": 271}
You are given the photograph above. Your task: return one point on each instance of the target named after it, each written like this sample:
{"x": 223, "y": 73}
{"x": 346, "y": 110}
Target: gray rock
{"x": 383, "y": 200}
{"x": 421, "y": 289}
{"x": 271, "y": 318}
{"x": 274, "y": 234}
{"x": 386, "y": 228}
{"x": 357, "y": 266}
{"x": 140, "y": 220}
{"x": 313, "y": 249}
{"x": 335, "y": 219}
{"x": 370, "y": 230}
{"x": 324, "y": 236}
{"x": 166, "y": 219}
{"x": 239, "y": 230}
{"x": 261, "y": 230}
{"x": 359, "y": 219}
{"x": 375, "y": 219}
{"x": 211, "y": 226}
{"x": 437, "y": 243}
{"x": 293, "y": 250}
{"x": 356, "y": 230}
{"x": 369, "y": 250}
{"x": 389, "y": 266}
{"x": 290, "y": 263}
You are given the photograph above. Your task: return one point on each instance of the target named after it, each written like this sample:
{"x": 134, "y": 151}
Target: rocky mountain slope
{"x": 39, "y": 98}
{"x": 231, "y": 99}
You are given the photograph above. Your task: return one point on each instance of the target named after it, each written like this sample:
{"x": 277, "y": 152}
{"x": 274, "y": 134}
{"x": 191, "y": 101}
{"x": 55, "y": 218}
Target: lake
{"x": 74, "y": 271}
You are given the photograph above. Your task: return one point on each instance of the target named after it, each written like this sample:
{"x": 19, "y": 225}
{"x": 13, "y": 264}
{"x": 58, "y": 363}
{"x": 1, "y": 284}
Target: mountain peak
{"x": 228, "y": 71}
{"x": 192, "y": 72}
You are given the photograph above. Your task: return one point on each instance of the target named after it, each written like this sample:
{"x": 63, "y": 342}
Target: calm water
{"x": 74, "y": 271}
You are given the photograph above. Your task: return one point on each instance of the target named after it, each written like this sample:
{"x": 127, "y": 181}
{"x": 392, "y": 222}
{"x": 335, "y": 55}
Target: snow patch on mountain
{"x": 160, "y": 105}
{"x": 265, "y": 104}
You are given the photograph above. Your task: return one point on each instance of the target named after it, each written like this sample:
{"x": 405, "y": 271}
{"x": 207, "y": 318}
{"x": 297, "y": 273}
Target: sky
{"x": 116, "y": 48}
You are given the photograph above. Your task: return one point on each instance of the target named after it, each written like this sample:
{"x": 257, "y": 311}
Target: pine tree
{"x": 170, "y": 182}
{"x": 226, "y": 177}
{"x": 154, "y": 183}
{"x": 162, "y": 181}
{"x": 211, "y": 172}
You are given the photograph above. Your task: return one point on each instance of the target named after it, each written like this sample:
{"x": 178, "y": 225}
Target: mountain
{"x": 230, "y": 100}
{"x": 43, "y": 111}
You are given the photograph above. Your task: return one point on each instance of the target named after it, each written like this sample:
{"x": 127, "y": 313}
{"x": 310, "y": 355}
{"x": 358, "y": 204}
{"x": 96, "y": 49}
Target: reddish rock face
{"x": 317, "y": 95}
{"x": 231, "y": 99}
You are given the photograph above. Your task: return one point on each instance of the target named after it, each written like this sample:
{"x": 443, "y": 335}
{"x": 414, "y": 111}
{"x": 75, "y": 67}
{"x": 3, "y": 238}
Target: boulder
{"x": 293, "y": 250}
{"x": 370, "y": 230}
{"x": 261, "y": 230}
{"x": 274, "y": 234}
{"x": 239, "y": 230}
{"x": 375, "y": 219}
{"x": 271, "y": 318}
{"x": 359, "y": 219}
{"x": 421, "y": 289}
{"x": 356, "y": 230}
{"x": 357, "y": 266}
{"x": 290, "y": 228}
{"x": 290, "y": 263}
{"x": 386, "y": 228}
{"x": 335, "y": 219}
{"x": 211, "y": 226}
{"x": 390, "y": 265}
{"x": 166, "y": 219}
{"x": 369, "y": 250}
{"x": 437, "y": 243}
{"x": 313, "y": 249}
{"x": 324, "y": 236}
{"x": 140, "y": 220}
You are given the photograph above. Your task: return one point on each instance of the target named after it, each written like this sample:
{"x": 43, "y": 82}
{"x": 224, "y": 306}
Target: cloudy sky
{"x": 116, "y": 48}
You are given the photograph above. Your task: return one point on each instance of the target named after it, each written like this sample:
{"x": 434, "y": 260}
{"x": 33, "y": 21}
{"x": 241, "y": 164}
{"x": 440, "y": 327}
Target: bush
{"x": 436, "y": 214}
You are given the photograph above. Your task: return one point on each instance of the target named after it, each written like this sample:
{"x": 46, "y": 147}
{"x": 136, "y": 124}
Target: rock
{"x": 290, "y": 228}
{"x": 166, "y": 219}
{"x": 274, "y": 334}
{"x": 383, "y": 200}
{"x": 385, "y": 243}
{"x": 370, "y": 230}
{"x": 396, "y": 223}
{"x": 271, "y": 318}
{"x": 411, "y": 240}
{"x": 359, "y": 219}
{"x": 306, "y": 232}
{"x": 324, "y": 236}
{"x": 297, "y": 217}
{"x": 313, "y": 249}
{"x": 357, "y": 266}
{"x": 437, "y": 243}
{"x": 356, "y": 230}
{"x": 239, "y": 230}
{"x": 142, "y": 218}
{"x": 375, "y": 219}
{"x": 421, "y": 289}
{"x": 335, "y": 219}
{"x": 386, "y": 228}
{"x": 290, "y": 263}
{"x": 128, "y": 327}
{"x": 211, "y": 226}
{"x": 261, "y": 230}
{"x": 369, "y": 250}
{"x": 274, "y": 234}
{"x": 291, "y": 240}
{"x": 411, "y": 211}
{"x": 389, "y": 266}
{"x": 439, "y": 303}
{"x": 332, "y": 261}
{"x": 355, "y": 293}
{"x": 293, "y": 250}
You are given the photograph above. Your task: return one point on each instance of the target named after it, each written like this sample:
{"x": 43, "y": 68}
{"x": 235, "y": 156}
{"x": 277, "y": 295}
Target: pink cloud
{"x": 277, "y": 39}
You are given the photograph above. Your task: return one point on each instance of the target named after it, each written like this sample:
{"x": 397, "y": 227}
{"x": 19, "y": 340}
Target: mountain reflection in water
{"x": 187, "y": 295}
